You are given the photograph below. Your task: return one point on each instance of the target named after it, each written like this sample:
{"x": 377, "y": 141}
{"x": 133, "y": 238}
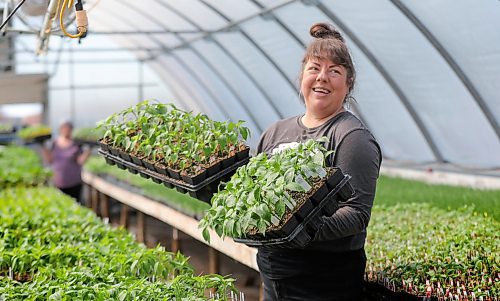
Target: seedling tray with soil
{"x": 202, "y": 190}
{"x": 296, "y": 231}
{"x": 274, "y": 194}
{"x": 193, "y": 150}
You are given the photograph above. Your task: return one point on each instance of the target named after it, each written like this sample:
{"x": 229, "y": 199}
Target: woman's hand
{"x": 82, "y": 158}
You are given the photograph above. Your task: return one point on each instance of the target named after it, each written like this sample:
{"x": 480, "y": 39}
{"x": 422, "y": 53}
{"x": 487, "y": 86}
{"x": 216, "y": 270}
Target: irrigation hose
{"x": 81, "y": 20}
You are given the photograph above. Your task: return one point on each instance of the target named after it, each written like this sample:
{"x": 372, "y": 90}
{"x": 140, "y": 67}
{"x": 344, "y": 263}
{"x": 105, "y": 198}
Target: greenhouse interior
{"x": 250, "y": 150}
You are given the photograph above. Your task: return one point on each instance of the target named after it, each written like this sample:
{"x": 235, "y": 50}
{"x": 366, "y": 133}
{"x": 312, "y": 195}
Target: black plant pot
{"x": 228, "y": 162}
{"x": 156, "y": 180}
{"x": 242, "y": 154}
{"x": 114, "y": 151}
{"x": 174, "y": 174}
{"x": 121, "y": 166}
{"x": 136, "y": 160}
{"x": 213, "y": 169}
{"x": 104, "y": 146}
{"x": 194, "y": 180}
{"x": 329, "y": 207}
{"x": 167, "y": 184}
{"x": 304, "y": 210}
{"x": 144, "y": 175}
{"x": 334, "y": 179}
{"x": 148, "y": 165}
{"x": 132, "y": 170}
{"x": 287, "y": 228}
{"x": 319, "y": 195}
{"x": 109, "y": 161}
{"x": 124, "y": 155}
{"x": 161, "y": 169}
{"x": 180, "y": 189}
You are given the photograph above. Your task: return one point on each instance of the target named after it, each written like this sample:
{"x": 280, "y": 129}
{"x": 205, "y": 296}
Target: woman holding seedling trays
{"x": 332, "y": 265}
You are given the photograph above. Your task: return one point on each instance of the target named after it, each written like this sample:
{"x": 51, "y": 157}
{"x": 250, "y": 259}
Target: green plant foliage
{"x": 258, "y": 195}
{"x": 62, "y": 251}
{"x": 6, "y": 128}
{"x": 34, "y": 131}
{"x": 172, "y": 198}
{"x": 88, "y": 134}
{"x": 416, "y": 246}
{"x": 20, "y": 166}
{"x": 174, "y": 138}
{"x": 392, "y": 191}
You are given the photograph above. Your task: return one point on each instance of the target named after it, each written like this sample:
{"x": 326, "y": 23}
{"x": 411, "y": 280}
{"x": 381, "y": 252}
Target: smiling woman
{"x": 332, "y": 265}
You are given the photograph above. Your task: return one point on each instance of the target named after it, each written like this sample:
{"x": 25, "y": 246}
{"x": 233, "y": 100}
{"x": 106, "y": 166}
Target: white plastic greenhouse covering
{"x": 428, "y": 71}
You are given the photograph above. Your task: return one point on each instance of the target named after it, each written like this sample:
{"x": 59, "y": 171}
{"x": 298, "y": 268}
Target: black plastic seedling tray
{"x": 37, "y": 139}
{"x": 202, "y": 191}
{"x": 340, "y": 189}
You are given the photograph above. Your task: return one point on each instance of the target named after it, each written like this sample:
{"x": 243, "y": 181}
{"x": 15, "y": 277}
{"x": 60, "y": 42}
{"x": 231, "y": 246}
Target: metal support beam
{"x": 76, "y": 50}
{"x": 228, "y": 26}
{"x": 390, "y": 81}
{"x": 249, "y": 76}
{"x": 452, "y": 63}
{"x": 242, "y": 102}
{"x": 235, "y": 25}
{"x": 14, "y": 31}
{"x": 73, "y": 62}
{"x": 231, "y": 57}
{"x": 195, "y": 75}
{"x": 104, "y": 86}
{"x": 140, "y": 86}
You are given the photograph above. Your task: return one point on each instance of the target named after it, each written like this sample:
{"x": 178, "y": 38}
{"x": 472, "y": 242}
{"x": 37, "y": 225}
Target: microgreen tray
{"x": 202, "y": 191}
{"x": 37, "y": 139}
{"x": 302, "y": 234}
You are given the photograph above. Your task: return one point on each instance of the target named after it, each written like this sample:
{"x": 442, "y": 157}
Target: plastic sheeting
{"x": 428, "y": 71}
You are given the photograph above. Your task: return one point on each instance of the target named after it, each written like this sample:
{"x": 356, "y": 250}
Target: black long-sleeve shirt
{"x": 358, "y": 154}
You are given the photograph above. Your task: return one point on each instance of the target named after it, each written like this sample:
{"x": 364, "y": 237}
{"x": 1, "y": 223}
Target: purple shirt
{"x": 67, "y": 171}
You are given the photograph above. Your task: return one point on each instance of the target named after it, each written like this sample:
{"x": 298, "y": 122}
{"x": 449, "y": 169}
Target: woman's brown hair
{"x": 328, "y": 43}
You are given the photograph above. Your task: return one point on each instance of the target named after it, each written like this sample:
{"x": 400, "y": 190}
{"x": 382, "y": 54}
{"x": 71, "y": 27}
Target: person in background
{"x": 332, "y": 265}
{"x": 66, "y": 159}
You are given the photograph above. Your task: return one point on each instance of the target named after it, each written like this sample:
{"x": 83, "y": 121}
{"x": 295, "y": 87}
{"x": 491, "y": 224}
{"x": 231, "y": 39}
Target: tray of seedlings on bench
{"x": 278, "y": 201}
{"x": 179, "y": 149}
{"x": 35, "y": 134}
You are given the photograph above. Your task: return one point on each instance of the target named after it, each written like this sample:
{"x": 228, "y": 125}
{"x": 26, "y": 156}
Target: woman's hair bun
{"x": 325, "y": 31}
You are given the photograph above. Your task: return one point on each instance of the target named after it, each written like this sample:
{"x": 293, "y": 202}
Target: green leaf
{"x": 122, "y": 295}
{"x": 206, "y": 235}
{"x": 293, "y": 186}
{"x": 132, "y": 267}
{"x": 319, "y": 159}
{"x": 280, "y": 207}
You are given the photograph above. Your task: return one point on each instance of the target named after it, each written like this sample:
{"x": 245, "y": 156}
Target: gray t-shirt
{"x": 358, "y": 154}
